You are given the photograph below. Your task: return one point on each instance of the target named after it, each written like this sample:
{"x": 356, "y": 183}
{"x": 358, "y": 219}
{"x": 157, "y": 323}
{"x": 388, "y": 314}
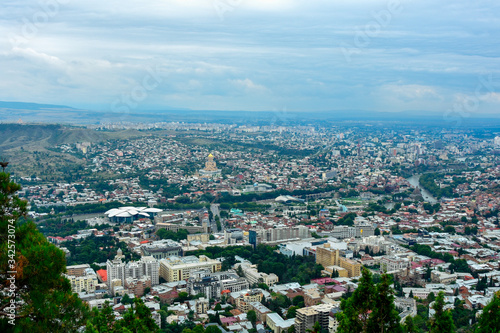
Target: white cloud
{"x": 249, "y": 85}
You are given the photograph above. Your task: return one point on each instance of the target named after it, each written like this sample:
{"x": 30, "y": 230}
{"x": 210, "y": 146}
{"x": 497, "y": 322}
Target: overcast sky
{"x": 428, "y": 55}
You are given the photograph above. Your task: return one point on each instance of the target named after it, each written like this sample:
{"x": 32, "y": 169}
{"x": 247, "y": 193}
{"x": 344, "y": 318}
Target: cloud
{"x": 249, "y": 85}
{"x": 288, "y": 52}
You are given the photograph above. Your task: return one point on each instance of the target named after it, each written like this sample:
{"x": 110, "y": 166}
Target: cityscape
{"x": 260, "y": 166}
{"x": 249, "y": 227}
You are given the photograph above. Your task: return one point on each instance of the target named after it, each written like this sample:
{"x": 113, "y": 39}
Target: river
{"x": 413, "y": 180}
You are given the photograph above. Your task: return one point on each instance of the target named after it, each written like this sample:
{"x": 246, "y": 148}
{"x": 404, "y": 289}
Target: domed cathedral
{"x": 210, "y": 169}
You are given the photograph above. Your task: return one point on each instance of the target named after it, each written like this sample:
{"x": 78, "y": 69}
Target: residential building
{"x": 213, "y": 284}
{"x": 307, "y": 317}
{"x": 243, "y": 301}
{"x": 278, "y": 324}
{"x": 180, "y": 268}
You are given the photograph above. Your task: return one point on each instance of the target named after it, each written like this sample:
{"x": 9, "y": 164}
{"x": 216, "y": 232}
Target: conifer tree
{"x": 409, "y": 325}
{"x": 384, "y": 317}
{"x": 43, "y": 300}
{"x": 442, "y": 320}
{"x": 490, "y": 319}
{"x": 356, "y": 309}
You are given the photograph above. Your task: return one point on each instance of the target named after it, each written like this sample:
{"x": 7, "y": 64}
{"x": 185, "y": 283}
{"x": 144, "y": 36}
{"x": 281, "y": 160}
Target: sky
{"x": 257, "y": 55}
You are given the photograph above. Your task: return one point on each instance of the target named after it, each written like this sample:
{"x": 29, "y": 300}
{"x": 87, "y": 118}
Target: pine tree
{"x": 356, "y": 309}
{"x": 370, "y": 308}
{"x": 442, "y": 320}
{"x": 384, "y": 317}
{"x": 44, "y": 301}
{"x": 490, "y": 319}
{"x": 409, "y": 325}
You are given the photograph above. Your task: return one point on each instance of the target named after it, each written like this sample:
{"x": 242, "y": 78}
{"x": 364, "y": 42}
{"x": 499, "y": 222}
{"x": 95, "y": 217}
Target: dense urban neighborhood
{"x": 274, "y": 228}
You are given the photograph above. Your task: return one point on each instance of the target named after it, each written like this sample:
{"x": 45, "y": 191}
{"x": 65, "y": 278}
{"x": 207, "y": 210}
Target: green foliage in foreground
{"x": 42, "y": 300}
{"x": 136, "y": 319}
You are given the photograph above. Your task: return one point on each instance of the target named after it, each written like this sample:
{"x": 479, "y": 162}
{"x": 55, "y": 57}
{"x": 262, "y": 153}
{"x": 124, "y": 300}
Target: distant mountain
{"x": 31, "y": 106}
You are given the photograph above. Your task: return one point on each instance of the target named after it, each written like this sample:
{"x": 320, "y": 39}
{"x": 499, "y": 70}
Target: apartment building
{"x": 86, "y": 282}
{"x": 307, "y": 317}
{"x": 147, "y": 266}
{"x": 213, "y": 284}
{"x": 180, "y": 268}
{"x": 243, "y": 301}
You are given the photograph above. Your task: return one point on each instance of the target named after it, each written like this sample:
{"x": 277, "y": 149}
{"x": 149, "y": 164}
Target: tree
{"x": 298, "y": 301}
{"x": 442, "y": 320}
{"x": 44, "y": 300}
{"x": 252, "y": 317}
{"x": 291, "y": 312}
{"x": 411, "y": 294}
{"x": 126, "y": 299}
{"x": 137, "y": 319}
{"x": 316, "y": 328}
{"x": 409, "y": 326}
{"x": 490, "y": 319}
{"x": 384, "y": 317}
{"x": 213, "y": 329}
{"x": 356, "y": 309}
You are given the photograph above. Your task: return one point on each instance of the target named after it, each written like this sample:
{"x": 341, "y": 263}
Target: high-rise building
{"x": 306, "y": 317}
{"x": 147, "y": 266}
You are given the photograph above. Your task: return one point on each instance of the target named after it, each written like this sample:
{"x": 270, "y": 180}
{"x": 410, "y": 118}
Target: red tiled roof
{"x": 103, "y": 274}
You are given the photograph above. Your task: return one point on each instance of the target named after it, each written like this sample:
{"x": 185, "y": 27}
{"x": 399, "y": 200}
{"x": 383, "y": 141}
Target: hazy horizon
{"x": 260, "y": 55}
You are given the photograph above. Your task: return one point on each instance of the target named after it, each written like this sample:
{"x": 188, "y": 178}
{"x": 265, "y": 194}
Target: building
{"x": 203, "y": 237}
{"x": 243, "y": 301}
{"x": 210, "y": 169}
{"x": 162, "y": 249}
{"x": 333, "y": 323}
{"x": 352, "y": 267}
{"x": 202, "y": 305}
{"x": 118, "y": 270}
{"x": 443, "y": 277}
{"x": 307, "y": 317}
{"x": 327, "y": 257}
{"x": 180, "y": 268}
{"x": 254, "y": 277}
{"x": 392, "y": 263}
{"x": 260, "y": 310}
{"x": 278, "y": 235}
{"x": 278, "y": 324}
{"x": 138, "y": 286}
{"x": 192, "y": 229}
{"x": 86, "y": 282}
{"x": 233, "y": 235}
{"x": 131, "y": 214}
{"x": 77, "y": 270}
{"x": 214, "y": 284}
